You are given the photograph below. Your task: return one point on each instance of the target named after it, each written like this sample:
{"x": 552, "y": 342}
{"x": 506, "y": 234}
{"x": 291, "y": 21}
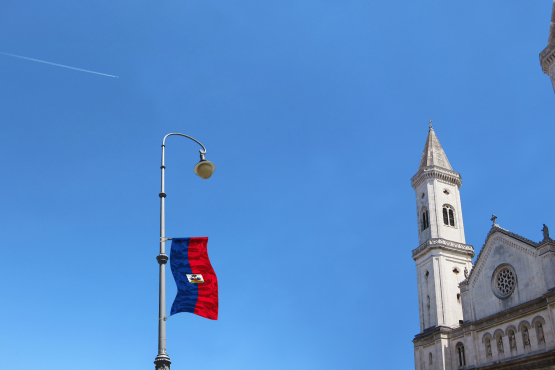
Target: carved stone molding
{"x": 443, "y": 243}
{"x": 430, "y": 335}
{"x": 509, "y": 314}
{"x": 547, "y": 57}
{"x": 538, "y": 361}
{"x": 548, "y": 246}
{"x": 434, "y": 172}
{"x": 463, "y": 286}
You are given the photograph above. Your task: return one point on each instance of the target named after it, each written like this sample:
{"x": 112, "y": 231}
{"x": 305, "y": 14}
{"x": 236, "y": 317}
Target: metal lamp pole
{"x": 203, "y": 169}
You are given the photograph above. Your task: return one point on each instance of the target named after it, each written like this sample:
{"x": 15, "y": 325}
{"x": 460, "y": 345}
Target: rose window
{"x": 504, "y": 281}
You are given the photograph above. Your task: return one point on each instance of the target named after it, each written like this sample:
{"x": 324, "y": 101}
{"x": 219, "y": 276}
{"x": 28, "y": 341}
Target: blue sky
{"x": 315, "y": 114}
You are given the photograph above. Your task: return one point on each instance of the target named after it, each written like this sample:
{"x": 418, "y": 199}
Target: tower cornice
{"x": 547, "y": 58}
{"x": 437, "y": 173}
{"x": 439, "y": 243}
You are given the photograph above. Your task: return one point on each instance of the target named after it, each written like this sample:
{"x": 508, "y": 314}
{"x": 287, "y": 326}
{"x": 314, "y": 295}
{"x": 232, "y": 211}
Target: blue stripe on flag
{"x": 187, "y": 293}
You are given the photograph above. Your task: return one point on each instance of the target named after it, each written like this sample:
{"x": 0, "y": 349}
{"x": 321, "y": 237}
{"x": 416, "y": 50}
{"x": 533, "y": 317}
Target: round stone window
{"x": 503, "y": 282}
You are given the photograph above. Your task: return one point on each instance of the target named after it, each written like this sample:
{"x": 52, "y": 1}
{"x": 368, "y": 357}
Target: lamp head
{"x": 204, "y": 169}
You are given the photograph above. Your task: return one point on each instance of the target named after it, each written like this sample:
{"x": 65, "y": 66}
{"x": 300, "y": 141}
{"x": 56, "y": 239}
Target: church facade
{"x": 498, "y": 313}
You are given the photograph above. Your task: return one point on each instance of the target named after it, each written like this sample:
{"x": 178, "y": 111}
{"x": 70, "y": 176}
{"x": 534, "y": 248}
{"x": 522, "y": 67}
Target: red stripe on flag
{"x": 207, "y": 302}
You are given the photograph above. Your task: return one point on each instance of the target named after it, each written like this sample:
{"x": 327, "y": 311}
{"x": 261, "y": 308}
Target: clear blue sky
{"x": 315, "y": 114}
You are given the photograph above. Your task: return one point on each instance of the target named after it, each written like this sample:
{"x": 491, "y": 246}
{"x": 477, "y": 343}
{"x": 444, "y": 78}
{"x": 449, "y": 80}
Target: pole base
{"x": 162, "y": 362}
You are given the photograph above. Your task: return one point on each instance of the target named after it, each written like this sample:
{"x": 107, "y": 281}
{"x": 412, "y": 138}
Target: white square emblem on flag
{"x": 195, "y": 278}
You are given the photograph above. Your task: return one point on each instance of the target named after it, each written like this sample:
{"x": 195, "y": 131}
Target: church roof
{"x": 433, "y": 153}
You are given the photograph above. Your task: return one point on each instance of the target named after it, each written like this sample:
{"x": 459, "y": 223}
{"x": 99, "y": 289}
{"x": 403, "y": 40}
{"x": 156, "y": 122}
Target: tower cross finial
{"x": 430, "y": 123}
{"x": 493, "y": 218}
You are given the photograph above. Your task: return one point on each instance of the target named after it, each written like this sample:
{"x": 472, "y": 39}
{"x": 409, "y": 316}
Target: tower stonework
{"x": 547, "y": 56}
{"x": 442, "y": 258}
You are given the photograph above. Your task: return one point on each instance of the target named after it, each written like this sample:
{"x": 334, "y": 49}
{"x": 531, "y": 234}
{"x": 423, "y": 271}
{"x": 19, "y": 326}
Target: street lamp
{"x": 204, "y": 169}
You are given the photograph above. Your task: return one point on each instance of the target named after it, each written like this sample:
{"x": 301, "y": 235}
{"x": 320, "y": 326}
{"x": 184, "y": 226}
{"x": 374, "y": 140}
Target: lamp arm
{"x": 187, "y": 136}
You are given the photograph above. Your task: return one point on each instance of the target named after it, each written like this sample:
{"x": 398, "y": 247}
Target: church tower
{"x": 547, "y": 56}
{"x": 442, "y": 257}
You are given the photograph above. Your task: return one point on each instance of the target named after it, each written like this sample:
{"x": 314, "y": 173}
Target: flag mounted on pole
{"x": 197, "y": 285}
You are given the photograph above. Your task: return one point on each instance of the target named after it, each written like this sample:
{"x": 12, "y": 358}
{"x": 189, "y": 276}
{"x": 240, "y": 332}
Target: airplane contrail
{"x": 56, "y": 64}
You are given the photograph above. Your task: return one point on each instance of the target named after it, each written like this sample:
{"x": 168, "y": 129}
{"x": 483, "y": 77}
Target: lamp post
{"x": 204, "y": 169}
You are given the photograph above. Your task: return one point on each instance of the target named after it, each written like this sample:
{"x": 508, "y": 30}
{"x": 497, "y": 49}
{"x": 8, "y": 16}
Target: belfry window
{"x": 448, "y": 215}
{"x": 425, "y": 218}
{"x": 460, "y": 355}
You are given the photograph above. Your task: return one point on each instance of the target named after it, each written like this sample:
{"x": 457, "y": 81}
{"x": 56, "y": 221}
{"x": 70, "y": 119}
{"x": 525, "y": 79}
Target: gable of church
{"x": 508, "y": 272}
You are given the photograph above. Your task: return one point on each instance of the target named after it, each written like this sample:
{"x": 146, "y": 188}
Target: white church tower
{"x": 442, "y": 258}
{"x": 547, "y": 56}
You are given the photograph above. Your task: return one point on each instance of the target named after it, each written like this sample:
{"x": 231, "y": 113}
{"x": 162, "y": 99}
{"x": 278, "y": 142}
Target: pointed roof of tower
{"x": 551, "y": 40}
{"x": 433, "y": 153}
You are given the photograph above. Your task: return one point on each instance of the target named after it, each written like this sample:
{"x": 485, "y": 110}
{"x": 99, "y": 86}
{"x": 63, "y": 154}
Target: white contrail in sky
{"x": 56, "y": 64}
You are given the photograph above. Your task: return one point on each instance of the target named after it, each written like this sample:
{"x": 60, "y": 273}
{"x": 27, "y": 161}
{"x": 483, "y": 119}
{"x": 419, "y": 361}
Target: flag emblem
{"x": 195, "y": 278}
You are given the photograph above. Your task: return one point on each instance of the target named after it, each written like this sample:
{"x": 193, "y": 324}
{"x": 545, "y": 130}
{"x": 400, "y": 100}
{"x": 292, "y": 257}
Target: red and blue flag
{"x": 197, "y": 285}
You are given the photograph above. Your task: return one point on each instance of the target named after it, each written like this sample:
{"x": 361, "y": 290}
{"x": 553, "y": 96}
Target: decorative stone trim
{"x": 483, "y": 329}
{"x": 550, "y": 295}
{"x": 443, "y": 243}
{"x": 504, "y": 281}
{"x": 508, "y": 315}
{"x": 538, "y": 318}
{"x": 443, "y": 332}
{"x": 463, "y": 286}
{"x": 547, "y": 57}
{"x": 538, "y": 361}
{"x": 510, "y": 327}
{"x": 434, "y": 172}
{"x": 523, "y": 324}
{"x": 430, "y": 335}
{"x": 485, "y": 336}
{"x": 548, "y": 246}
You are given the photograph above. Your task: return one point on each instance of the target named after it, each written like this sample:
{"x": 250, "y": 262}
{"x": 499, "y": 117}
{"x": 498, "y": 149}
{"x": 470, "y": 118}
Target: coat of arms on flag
{"x": 195, "y": 278}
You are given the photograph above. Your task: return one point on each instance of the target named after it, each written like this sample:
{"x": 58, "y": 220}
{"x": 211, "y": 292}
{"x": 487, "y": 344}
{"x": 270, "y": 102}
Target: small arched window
{"x": 431, "y": 358}
{"x": 448, "y": 215}
{"x": 460, "y": 355}
{"x": 525, "y": 337}
{"x": 539, "y": 333}
{"x": 425, "y": 218}
{"x": 499, "y": 341}
{"x": 488, "y": 347}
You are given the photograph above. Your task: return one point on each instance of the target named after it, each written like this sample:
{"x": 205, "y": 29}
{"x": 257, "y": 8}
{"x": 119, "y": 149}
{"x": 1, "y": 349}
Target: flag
{"x": 197, "y": 285}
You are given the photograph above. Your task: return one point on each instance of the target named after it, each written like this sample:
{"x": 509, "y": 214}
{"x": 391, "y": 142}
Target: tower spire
{"x": 433, "y": 153}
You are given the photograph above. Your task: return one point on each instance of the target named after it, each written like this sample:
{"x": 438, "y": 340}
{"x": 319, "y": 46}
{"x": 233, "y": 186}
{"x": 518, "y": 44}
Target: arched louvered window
{"x": 448, "y": 215}
{"x": 425, "y": 218}
{"x": 460, "y": 355}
